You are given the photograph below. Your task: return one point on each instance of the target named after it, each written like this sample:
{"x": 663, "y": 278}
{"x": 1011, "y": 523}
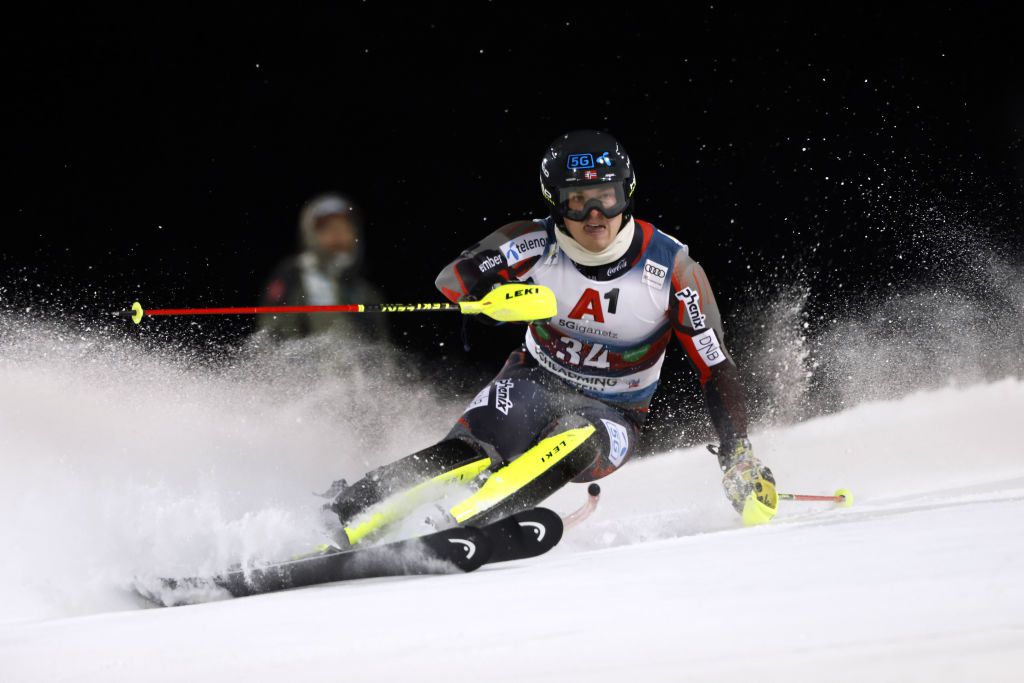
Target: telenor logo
{"x": 522, "y": 248}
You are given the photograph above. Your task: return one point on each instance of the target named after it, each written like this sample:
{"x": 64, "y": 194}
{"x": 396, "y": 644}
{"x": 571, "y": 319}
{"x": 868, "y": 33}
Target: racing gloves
{"x": 749, "y": 484}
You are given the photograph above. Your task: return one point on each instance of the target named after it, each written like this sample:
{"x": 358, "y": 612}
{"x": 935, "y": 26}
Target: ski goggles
{"x": 575, "y": 203}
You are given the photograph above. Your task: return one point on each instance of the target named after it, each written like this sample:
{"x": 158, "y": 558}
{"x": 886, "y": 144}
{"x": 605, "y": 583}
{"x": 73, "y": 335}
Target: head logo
{"x": 589, "y": 175}
{"x": 605, "y": 160}
{"x": 576, "y": 161}
{"x": 538, "y": 529}
{"x": 468, "y": 545}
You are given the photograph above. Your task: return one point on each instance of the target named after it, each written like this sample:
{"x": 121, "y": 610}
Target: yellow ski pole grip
{"x": 514, "y": 303}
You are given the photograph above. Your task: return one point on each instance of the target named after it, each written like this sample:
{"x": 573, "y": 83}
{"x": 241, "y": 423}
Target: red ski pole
{"x": 842, "y": 497}
{"x": 511, "y": 302}
{"x": 574, "y": 518}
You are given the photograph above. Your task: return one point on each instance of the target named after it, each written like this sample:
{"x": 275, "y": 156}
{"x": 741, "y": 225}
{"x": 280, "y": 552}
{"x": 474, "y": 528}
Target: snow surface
{"x": 920, "y": 580}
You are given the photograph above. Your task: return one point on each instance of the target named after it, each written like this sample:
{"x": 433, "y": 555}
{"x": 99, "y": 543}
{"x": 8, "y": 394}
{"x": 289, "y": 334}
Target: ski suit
{"x": 597, "y": 363}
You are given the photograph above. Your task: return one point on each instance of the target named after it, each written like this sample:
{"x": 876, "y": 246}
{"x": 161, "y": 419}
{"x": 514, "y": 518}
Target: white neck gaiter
{"x": 585, "y": 257}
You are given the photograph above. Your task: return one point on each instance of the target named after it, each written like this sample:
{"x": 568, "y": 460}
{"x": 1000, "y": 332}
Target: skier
{"x": 325, "y": 273}
{"x": 569, "y": 404}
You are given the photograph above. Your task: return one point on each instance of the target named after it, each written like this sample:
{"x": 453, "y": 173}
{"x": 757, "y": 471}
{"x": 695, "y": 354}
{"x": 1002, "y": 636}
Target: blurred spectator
{"x": 325, "y": 273}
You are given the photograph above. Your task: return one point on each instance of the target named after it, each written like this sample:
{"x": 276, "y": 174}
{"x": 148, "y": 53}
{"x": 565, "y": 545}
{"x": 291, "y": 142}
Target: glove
{"x": 749, "y": 485}
{"x": 480, "y": 271}
{"x": 336, "y": 488}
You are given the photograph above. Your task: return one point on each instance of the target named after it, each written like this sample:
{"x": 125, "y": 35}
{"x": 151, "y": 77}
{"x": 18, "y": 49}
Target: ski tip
{"x": 147, "y": 597}
{"x": 545, "y": 525}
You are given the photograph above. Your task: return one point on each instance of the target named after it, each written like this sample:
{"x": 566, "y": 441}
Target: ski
{"x": 461, "y": 549}
{"x": 457, "y": 550}
{"x": 523, "y": 535}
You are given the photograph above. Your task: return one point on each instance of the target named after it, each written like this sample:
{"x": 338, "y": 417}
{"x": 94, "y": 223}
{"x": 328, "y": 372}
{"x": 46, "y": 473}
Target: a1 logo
{"x": 590, "y": 304}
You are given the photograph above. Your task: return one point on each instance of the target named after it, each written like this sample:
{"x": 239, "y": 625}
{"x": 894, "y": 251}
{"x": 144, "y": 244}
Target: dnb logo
{"x": 580, "y": 161}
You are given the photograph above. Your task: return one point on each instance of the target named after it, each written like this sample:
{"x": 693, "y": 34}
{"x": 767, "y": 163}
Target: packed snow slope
{"x": 119, "y": 464}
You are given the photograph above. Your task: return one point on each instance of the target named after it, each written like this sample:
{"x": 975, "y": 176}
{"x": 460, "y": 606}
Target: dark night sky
{"x": 163, "y": 155}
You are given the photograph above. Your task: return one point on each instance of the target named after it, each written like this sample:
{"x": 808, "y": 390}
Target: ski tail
{"x": 397, "y": 507}
{"x": 519, "y": 485}
{"x": 523, "y": 535}
{"x": 504, "y": 486}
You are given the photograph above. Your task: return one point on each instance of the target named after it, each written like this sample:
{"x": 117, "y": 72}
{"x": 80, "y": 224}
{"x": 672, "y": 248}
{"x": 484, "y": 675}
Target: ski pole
{"x": 507, "y": 303}
{"x": 842, "y": 497}
{"x": 577, "y": 516}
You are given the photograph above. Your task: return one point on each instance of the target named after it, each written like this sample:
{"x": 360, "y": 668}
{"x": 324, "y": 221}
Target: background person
{"x": 326, "y": 273}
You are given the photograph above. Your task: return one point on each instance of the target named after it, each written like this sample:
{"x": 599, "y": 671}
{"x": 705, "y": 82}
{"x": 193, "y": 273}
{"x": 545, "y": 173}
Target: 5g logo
{"x": 580, "y": 161}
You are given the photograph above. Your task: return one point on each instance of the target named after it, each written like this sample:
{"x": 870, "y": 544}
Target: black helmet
{"x": 586, "y": 159}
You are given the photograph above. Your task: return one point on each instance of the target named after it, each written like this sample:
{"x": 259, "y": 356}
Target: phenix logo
{"x": 503, "y": 395}
{"x": 692, "y": 301}
{"x": 489, "y": 263}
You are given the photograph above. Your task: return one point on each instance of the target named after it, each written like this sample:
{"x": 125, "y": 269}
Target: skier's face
{"x": 596, "y": 231}
{"x": 335, "y": 233}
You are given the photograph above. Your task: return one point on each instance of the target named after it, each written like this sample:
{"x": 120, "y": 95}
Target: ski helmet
{"x": 313, "y": 213}
{"x": 586, "y": 158}
{"x": 322, "y": 206}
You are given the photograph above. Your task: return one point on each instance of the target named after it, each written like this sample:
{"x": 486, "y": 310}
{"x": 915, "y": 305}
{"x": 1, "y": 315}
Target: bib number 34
{"x": 572, "y": 351}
